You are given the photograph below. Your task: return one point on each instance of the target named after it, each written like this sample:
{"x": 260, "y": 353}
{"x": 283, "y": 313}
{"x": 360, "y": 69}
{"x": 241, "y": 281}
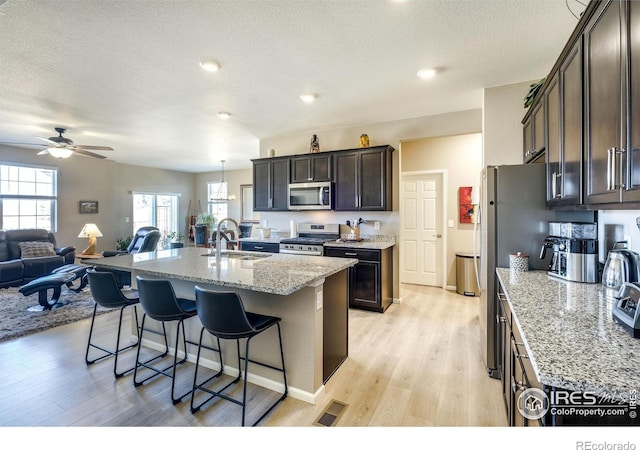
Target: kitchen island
{"x": 565, "y": 333}
{"x": 309, "y": 293}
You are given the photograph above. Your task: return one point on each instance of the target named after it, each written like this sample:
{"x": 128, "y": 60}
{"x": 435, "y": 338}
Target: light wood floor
{"x": 418, "y": 364}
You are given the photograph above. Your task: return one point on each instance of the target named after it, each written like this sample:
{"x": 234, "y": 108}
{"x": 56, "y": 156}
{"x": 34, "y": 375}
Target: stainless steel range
{"x": 310, "y": 240}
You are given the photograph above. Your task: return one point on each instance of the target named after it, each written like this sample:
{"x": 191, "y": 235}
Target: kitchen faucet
{"x": 218, "y": 243}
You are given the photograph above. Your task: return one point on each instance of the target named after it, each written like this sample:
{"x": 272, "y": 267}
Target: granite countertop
{"x": 570, "y": 336}
{"x": 269, "y": 272}
{"x": 374, "y": 242}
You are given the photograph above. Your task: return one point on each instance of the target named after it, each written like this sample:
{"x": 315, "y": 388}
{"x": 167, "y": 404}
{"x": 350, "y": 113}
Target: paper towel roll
{"x": 293, "y": 229}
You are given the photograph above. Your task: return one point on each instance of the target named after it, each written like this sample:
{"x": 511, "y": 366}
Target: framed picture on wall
{"x": 88, "y": 206}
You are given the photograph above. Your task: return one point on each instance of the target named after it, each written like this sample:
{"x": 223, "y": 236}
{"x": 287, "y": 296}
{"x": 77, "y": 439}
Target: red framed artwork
{"x": 467, "y": 209}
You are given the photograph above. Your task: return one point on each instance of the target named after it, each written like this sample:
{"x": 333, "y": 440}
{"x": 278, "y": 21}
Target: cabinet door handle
{"x": 610, "y": 169}
{"x": 557, "y": 180}
{"x": 554, "y": 185}
{"x": 258, "y": 248}
{"x": 350, "y": 254}
{"x": 618, "y": 162}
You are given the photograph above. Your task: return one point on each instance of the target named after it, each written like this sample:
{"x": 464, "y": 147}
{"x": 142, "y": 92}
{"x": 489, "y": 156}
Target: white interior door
{"x": 421, "y": 229}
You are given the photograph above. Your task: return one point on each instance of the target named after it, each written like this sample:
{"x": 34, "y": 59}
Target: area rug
{"x": 16, "y": 320}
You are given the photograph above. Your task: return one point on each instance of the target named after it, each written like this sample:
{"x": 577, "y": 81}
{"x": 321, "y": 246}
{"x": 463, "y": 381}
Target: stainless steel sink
{"x": 244, "y": 256}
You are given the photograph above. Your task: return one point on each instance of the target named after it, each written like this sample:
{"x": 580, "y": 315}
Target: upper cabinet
{"x": 311, "y": 168}
{"x": 363, "y": 179}
{"x": 612, "y": 58}
{"x": 533, "y": 133}
{"x": 592, "y": 104}
{"x": 271, "y": 184}
{"x": 564, "y": 131}
{"x": 604, "y": 118}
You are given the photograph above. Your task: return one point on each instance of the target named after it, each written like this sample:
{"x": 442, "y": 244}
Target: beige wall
{"x": 502, "y": 114}
{"x": 461, "y": 157}
{"x": 110, "y": 183}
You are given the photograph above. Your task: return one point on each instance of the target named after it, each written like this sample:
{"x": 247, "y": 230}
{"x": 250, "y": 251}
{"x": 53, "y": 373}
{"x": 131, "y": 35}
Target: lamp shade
{"x": 90, "y": 230}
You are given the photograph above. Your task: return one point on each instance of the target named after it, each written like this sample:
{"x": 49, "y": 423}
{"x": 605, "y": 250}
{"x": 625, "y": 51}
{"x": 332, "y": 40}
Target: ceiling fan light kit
{"x": 62, "y": 147}
{"x": 59, "y": 152}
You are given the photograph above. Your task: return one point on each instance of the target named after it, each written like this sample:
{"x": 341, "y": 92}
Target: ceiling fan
{"x": 62, "y": 147}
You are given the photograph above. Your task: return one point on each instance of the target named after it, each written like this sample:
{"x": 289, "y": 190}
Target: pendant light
{"x": 223, "y": 189}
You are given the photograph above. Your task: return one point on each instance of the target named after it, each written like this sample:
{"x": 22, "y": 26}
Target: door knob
{"x": 437, "y": 235}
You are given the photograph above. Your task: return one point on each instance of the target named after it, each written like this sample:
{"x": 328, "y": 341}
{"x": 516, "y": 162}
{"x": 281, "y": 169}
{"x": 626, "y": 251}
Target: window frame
{"x": 53, "y": 199}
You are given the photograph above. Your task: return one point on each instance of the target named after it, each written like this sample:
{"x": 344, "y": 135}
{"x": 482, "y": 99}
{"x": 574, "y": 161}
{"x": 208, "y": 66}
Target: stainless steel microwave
{"x": 310, "y": 196}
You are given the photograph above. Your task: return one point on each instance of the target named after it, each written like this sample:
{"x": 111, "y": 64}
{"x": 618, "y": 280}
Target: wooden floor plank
{"x": 417, "y": 365}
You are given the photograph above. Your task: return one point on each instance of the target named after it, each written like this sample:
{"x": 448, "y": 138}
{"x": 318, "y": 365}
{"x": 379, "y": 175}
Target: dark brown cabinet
{"x": 612, "y": 110}
{"x": 311, "y": 168}
{"x": 260, "y": 246}
{"x": 564, "y": 132}
{"x": 363, "y": 179}
{"x": 533, "y": 133}
{"x": 270, "y": 184}
{"x": 603, "y": 110}
{"x": 515, "y": 376}
{"x": 371, "y": 280}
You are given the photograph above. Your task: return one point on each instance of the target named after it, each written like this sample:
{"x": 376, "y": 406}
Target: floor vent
{"x": 331, "y": 414}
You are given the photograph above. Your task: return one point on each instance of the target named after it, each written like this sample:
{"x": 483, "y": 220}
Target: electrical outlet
{"x": 376, "y": 225}
{"x": 450, "y": 223}
{"x": 126, "y": 219}
{"x": 318, "y": 301}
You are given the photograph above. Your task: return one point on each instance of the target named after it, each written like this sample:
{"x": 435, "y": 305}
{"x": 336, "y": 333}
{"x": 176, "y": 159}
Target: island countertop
{"x": 571, "y": 338}
{"x": 273, "y": 273}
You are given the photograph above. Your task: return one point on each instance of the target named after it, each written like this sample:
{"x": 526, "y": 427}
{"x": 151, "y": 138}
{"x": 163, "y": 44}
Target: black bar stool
{"x": 223, "y": 315}
{"x": 106, "y": 293}
{"x": 159, "y": 302}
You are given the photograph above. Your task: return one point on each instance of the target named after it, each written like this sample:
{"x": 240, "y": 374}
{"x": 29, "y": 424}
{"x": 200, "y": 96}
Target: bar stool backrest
{"x": 223, "y": 314}
{"x": 104, "y": 289}
{"x": 158, "y": 299}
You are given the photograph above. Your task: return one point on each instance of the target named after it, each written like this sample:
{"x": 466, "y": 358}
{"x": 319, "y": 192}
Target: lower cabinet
{"x": 259, "y": 246}
{"x": 553, "y": 405}
{"x": 371, "y": 280}
{"x": 516, "y": 372}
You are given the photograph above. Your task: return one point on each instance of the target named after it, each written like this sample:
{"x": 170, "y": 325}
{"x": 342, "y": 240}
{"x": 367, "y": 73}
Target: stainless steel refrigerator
{"x": 513, "y": 218}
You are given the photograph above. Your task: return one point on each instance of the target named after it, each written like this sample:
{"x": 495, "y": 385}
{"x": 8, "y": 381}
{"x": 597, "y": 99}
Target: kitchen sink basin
{"x": 244, "y": 256}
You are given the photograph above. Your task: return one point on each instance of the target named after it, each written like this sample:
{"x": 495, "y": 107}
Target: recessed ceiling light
{"x": 224, "y": 115}
{"x": 426, "y": 73}
{"x": 210, "y": 65}
{"x": 308, "y": 98}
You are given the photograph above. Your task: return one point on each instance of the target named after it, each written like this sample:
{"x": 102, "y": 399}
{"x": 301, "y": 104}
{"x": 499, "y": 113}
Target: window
{"x": 157, "y": 210}
{"x": 217, "y": 194}
{"x": 28, "y": 197}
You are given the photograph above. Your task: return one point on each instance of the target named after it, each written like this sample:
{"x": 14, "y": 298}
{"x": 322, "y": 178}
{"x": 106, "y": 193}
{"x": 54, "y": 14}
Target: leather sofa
{"x": 19, "y": 256}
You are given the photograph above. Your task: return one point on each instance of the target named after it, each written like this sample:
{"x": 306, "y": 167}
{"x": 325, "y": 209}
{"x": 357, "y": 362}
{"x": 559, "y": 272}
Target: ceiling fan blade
{"x": 80, "y": 151}
{"x": 43, "y": 152}
{"x": 46, "y": 140}
{"x": 92, "y": 147}
{"x": 24, "y": 143}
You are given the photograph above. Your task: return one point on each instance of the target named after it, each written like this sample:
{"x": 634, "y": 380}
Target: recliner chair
{"x": 145, "y": 240}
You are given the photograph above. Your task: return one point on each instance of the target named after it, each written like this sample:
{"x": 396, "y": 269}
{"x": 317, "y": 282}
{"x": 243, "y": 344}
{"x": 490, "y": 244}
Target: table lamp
{"x": 91, "y": 231}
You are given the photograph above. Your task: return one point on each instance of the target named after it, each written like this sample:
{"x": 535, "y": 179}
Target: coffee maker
{"x": 574, "y": 247}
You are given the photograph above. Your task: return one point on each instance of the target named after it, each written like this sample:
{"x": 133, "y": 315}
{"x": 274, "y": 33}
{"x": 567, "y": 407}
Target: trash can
{"x": 466, "y": 280}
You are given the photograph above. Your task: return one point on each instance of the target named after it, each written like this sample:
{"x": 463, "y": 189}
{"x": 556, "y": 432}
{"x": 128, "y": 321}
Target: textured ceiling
{"x": 125, "y": 74}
